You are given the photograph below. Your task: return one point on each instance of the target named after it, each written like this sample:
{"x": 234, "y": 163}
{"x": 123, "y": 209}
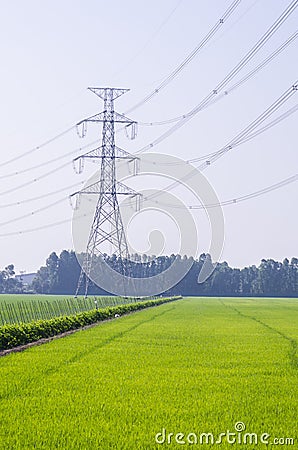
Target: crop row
{"x": 20, "y": 311}
{"x": 14, "y": 335}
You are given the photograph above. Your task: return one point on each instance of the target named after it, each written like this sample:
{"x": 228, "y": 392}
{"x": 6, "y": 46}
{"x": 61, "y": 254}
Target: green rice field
{"x": 196, "y": 373}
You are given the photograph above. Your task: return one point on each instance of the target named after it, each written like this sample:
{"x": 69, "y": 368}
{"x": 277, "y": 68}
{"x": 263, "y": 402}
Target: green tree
{"x": 9, "y": 284}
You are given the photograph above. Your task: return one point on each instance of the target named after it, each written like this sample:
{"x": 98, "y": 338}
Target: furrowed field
{"x": 193, "y": 366}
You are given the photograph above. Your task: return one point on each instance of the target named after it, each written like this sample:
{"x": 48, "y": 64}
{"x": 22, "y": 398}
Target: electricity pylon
{"x": 107, "y": 225}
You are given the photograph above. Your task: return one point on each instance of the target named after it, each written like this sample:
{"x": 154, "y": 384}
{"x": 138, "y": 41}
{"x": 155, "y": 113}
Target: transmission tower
{"x": 107, "y": 225}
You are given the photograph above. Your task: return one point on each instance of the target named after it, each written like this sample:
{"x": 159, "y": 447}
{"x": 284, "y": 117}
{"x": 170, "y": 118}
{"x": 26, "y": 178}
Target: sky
{"x": 51, "y": 51}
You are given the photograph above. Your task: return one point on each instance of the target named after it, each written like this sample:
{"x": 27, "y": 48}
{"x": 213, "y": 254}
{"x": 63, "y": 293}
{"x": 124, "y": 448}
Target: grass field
{"x": 193, "y": 366}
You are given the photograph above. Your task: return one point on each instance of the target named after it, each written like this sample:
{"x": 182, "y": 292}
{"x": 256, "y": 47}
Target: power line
{"x": 201, "y": 158}
{"x": 207, "y": 157}
{"x": 248, "y": 76}
{"x": 34, "y": 149}
{"x": 35, "y": 180}
{"x": 40, "y": 197}
{"x": 49, "y": 141}
{"x": 32, "y": 213}
{"x": 239, "y": 66}
{"x": 252, "y": 135}
{"x": 247, "y": 134}
{"x": 271, "y": 124}
{"x": 249, "y": 137}
{"x": 45, "y": 163}
{"x": 32, "y": 230}
{"x": 241, "y": 137}
{"x": 229, "y": 11}
{"x": 190, "y": 57}
{"x": 181, "y": 118}
{"x": 234, "y": 201}
{"x": 38, "y": 147}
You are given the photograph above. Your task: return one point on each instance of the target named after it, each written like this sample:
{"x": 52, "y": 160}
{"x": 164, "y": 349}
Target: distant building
{"x": 25, "y": 278}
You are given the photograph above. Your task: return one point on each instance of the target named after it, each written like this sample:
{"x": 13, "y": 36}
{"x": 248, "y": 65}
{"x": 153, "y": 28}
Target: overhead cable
{"x": 34, "y": 149}
{"x": 244, "y": 61}
{"x": 234, "y": 201}
{"x": 241, "y": 137}
{"x": 239, "y": 83}
{"x": 190, "y": 57}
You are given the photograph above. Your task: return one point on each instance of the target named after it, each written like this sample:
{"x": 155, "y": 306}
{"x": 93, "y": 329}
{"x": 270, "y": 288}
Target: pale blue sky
{"x": 51, "y": 51}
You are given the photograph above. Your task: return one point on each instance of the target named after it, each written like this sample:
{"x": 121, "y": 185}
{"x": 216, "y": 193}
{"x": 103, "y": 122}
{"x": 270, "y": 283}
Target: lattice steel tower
{"x": 107, "y": 225}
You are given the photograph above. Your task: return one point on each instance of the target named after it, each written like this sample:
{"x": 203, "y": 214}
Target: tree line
{"x": 9, "y": 284}
{"x": 270, "y": 279}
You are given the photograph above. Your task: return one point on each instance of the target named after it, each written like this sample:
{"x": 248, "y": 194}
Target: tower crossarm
{"x": 95, "y": 188}
{"x": 97, "y": 153}
{"x": 112, "y": 93}
{"x": 122, "y": 189}
{"x": 102, "y": 117}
